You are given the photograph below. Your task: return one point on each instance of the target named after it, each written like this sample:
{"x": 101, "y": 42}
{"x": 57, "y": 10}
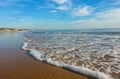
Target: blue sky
{"x": 60, "y": 14}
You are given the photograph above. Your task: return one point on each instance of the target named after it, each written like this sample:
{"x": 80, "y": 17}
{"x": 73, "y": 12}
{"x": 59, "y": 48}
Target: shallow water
{"x": 10, "y": 40}
{"x": 91, "y": 53}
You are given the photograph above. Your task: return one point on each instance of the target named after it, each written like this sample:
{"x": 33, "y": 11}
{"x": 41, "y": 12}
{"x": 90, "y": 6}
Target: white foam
{"x": 87, "y": 71}
{"x": 26, "y": 39}
{"x": 25, "y": 46}
{"x": 82, "y": 53}
{"x": 37, "y": 55}
{"x": 56, "y": 63}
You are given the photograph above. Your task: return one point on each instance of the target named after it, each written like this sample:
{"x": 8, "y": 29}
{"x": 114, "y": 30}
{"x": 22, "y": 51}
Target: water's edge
{"x": 79, "y": 69}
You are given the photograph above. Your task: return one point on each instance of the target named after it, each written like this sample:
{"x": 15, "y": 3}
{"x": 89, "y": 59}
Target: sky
{"x": 60, "y": 14}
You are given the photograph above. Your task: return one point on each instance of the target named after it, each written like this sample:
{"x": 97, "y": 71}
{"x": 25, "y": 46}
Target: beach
{"x": 59, "y": 39}
{"x": 15, "y": 63}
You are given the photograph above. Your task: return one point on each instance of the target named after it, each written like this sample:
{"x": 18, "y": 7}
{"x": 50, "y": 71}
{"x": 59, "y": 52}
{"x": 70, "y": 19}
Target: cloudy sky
{"x": 60, "y": 14}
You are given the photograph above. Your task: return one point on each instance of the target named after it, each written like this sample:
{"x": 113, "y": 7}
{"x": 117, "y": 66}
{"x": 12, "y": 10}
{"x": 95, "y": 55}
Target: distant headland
{"x": 12, "y": 30}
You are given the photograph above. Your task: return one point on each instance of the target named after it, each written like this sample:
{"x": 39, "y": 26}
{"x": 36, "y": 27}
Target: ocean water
{"x": 91, "y": 52}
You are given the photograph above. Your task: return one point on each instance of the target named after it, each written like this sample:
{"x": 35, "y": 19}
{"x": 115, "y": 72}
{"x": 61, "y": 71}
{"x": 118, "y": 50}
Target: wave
{"x": 37, "y": 55}
{"x": 89, "y": 54}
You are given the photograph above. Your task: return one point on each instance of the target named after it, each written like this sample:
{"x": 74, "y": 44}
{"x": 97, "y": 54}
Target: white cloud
{"x": 47, "y": 5}
{"x": 109, "y": 14}
{"x": 63, "y": 7}
{"x": 82, "y": 11}
{"x": 61, "y": 1}
{"x": 105, "y": 19}
{"x": 63, "y": 4}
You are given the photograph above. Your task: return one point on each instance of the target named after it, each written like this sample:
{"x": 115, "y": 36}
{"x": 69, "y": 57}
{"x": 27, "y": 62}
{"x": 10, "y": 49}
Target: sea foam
{"x": 37, "y": 55}
{"x": 95, "y": 55}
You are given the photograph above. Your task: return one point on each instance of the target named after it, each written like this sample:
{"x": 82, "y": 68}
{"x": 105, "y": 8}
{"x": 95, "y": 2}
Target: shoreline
{"x": 16, "y": 64}
{"x": 79, "y": 70}
{"x": 12, "y": 30}
{"x": 48, "y": 56}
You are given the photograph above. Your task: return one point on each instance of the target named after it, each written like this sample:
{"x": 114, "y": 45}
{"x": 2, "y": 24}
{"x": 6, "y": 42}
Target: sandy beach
{"x": 59, "y": 39}
{"x": 17, "y": 64}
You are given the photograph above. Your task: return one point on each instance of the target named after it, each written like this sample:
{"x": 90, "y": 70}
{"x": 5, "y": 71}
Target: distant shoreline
{"x": 12, "y": 30}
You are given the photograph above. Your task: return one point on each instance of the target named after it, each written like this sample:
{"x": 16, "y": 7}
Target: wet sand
{"x": 17, "y": 64}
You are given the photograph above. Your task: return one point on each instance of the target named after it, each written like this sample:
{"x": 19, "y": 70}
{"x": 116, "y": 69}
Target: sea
{"x": 92, "y": 52}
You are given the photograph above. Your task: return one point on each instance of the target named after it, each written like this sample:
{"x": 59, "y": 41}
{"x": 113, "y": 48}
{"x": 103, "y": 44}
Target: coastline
{"x": 16, "y": 64}
{"x": 12, "y": 30}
